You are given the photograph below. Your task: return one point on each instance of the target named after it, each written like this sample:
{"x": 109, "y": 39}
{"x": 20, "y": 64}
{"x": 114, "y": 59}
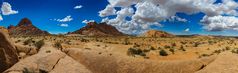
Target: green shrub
{"x": 183, "y": 43}
{"x": 196, "y": 44}
{"x": 48, "y": 51}
{"x": 26, "y": 70}
{"x": 163, "y": 53}
{"x": 39, "y": 44}
{"x": 28, "y": 41}
{"x": 235, "y": 50}
{"x": 84, "y": 40}
{"x": 172, "y": 50}
{"x": 126, "y": 41}
{"x": 166, "y": 46}
{"x": 135, "y": 51}
{"x": 173, "y": 44}
{"x": 228, "y": 48}
{"x": 204, "y": 55}
{"x": 182, "y": 48}
{"x": 152, "y": 48}
{"x": 146, "y": 50}
{"x": 210, "y": 42}
{"x": 58, "y": 45}
{"x": 217, "y": 51}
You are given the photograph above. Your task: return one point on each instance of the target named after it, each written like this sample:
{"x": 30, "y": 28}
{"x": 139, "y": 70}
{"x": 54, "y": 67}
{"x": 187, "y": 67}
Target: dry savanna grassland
{"x": 112, "y": 54}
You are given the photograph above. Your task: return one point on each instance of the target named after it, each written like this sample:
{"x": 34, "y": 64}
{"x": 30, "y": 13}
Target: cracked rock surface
{"x": 48, "y": 60}
{"x": 74, "y": 60}
{"x": 8, "y": 54}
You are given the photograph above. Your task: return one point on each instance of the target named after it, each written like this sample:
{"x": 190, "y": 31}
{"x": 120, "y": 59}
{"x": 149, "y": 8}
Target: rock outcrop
{"x": 101, "y": 29}
{"x": 48, "y": 60}
{"x": 8, "y": 54}
{"x": 156, "y": 33}
{"x": 25, "y": 27}
{"x": 224, "y": 63}
{"x": 3, "y": 29}
{"x": 104, "y": 62}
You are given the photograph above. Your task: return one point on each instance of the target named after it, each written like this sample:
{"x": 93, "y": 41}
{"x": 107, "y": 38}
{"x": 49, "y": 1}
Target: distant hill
{"x": 25, "y": 27}
{"x": 101, "y": 29}
{"x": 202, "y": 36}
{"x": 156, "y": 33}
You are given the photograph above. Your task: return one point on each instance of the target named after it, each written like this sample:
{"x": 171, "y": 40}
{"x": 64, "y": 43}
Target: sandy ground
{"x": 110, "y": 54}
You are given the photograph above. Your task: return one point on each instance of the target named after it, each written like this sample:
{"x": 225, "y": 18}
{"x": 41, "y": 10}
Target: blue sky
{"x": 42, "y": 13}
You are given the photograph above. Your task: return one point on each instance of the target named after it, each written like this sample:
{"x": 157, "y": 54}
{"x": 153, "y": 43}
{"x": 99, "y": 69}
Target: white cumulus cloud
{"x": 220, "y": 23}
{"x": 187, "y": 30}
{"x": 63, "y": 25}
{"x": 147, "y": 13}
{"x": 87, "y": 21}
{"x": 176, "y": 18}
{"x": 1, "y": 18}
{"x": 66, "y": 19}
{"x": 7, "y": 9}
{"x": 78, "y": 7}
{"x": 109, "y": 10}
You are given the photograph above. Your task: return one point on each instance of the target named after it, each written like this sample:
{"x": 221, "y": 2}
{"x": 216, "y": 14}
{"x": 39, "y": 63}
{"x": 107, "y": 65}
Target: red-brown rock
{"x": 8, "y": 54}
{"x": 156, "y": 33}
{"x": 25, "y": 27}
{"x": 101, "y": 29}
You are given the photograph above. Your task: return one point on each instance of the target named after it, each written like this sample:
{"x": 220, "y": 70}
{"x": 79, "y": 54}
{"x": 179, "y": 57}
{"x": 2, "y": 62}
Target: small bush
{"x": 166, "y": 46}
{"x": 39, "y": 44}
{"x": 217, "y": 51}
{"x": 126, "y": 41}
{"x": 152, "y": 48}
{"x": 17, "y": 41}
{"x": 28, "y": 41}
{"x": 228, "y": 48}
{"x": 210, "y": 42}
{"x": 163, "y": 53}
{"x": 26, "y": 70}
{"x": 205, "y": 55}
{"x": 146, "y": 50}
{"x": 84, "y": 40}
{"x": 135, "y": 51}
{"x": 58, "y": 45}
{"x": 235, "y": 50}
{"x": 172, "y": 50}
{"x": 183, "y": 43}
{"x": 196, "y": 44}
{"x": 48, "y": 51}
{"x": 173, "y": 44}
{"x": 182, "y": 48}
{"x": 68, "y": 42}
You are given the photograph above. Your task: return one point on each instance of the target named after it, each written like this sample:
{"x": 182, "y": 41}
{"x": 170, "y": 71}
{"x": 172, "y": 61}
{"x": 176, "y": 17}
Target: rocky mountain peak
{"x": 25, "y": 22}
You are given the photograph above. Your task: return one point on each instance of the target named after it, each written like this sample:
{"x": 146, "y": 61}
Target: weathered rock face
{"x": 25, "y": 27}
{"x": 101, "y": 29}
{"x": 226, "y": 62}
{"x": 8, "y": 54}
{"x": 117, "y": 63}
{"x": 156, "y": 33}
{"x": 3, "y": 29}
{"x": 54, "y": 61}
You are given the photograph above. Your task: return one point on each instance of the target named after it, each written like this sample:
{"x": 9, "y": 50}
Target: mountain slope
{"x": 101, "y": 29}
{"x": 25, "y": 27}
{"x": 156, "y": 33}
